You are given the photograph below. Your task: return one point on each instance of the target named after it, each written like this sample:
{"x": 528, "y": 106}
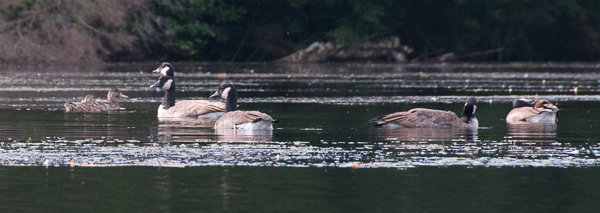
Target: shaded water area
{"x": 324, "y": 109}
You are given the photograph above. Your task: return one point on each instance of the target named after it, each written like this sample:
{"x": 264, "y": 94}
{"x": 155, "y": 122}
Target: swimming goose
{"x": 187, "y": 108}
{"x": 165, "y": 69}
{"x": 88, "y": 104}
{"x": 538, "y": 111}
{"x": 430, "y": 118}
{"x": 111, "y": 101}
{"x": 237, "y": 119}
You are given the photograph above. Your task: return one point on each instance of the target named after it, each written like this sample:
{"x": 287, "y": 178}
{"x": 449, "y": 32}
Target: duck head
{"x": 115, "y": 93}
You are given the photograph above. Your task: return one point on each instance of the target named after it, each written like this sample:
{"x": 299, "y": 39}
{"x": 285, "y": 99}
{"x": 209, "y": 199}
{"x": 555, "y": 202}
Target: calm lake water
{"x": 322, "y": 157}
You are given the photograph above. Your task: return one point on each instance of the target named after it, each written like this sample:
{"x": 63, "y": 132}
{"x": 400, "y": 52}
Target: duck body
{"x": 538, "y": 111}
{"x": 111, "y": 101}
{"x": 237, "y": 119}
{"x": 88, "y": 104}
{"x": 430, "y": 118}
{"x": 188, "y": 108}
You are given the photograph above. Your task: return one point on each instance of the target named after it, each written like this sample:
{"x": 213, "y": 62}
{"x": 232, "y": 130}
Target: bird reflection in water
{"x": 243, "y": 135}
{"x": 427, "y": 134}
{"x": 174, "y": 130}
{"x": 185, "y": 129}
{"x": 94, "y": 125}
{"x": 532, "y": 132}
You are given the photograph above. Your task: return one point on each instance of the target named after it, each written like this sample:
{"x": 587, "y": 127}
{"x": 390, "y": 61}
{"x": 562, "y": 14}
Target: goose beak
{"x": 216, "y": 94}
{"x": 157, "y": 84}
{"x": 123, "y": 96}
{"x": 156, "y": 70}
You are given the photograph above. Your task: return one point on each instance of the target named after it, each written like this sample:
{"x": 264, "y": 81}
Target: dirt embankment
{"x": 64, "y": 31}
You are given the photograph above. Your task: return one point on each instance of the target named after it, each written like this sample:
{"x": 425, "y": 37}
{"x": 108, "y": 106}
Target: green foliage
{"x": 529, "y": 30}
{"x": 358, "y": 25}
{"x": 189, "y": 24}
{"x": 241, "y": 30}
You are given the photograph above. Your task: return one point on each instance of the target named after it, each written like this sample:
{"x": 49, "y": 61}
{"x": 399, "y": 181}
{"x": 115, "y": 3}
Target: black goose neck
{"x": 231, "y": 104}
{"x": 468, "y": 113}
{"x": 169, "y": 99}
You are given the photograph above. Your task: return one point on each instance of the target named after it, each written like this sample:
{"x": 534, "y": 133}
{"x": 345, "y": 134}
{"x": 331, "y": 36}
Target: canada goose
{"x": 111, "y": 101}
{"x": 237, "y": 119}
{"x": 538, "y": 111}
{"x": 165, "y": 69}
{"x": 430, "y": 118}
{"x": 188, "y": 108}
{"x": 88, "y": 104}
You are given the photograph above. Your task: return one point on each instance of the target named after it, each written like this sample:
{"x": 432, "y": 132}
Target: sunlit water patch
{"x": 294, "y": 154}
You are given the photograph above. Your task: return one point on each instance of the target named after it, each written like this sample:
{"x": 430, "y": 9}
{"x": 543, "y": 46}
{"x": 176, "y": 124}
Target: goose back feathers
{"x": 538, "y": 111}
{"x": 188, "y": 108}
{"x": 430, "y": 118}
{"x": 236, "y": 119}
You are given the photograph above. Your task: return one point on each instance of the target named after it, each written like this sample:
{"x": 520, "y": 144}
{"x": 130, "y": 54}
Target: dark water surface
{"x": 316, "y": 159}
{"x": 269, "y": 189}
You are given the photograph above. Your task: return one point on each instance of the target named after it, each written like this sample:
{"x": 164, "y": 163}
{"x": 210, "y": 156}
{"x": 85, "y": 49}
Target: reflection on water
{"x": 185, "y": 130}
{"x": 532, "y": 132}
{"x": 427, "y": 134}
{"x": 243, "y": 135}
{"x": 177, "y": 130}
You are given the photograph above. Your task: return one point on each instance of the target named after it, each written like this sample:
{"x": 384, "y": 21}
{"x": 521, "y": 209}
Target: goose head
{"x": 544, "y": 105}
{"x": 229, "y": 93}
{"x": 225, "y": 91}
{"x": 521, "y": 102}
{"x": 470, "y": 106}
{"x": 164, "y": 82}
{"x": 165, "y": 69}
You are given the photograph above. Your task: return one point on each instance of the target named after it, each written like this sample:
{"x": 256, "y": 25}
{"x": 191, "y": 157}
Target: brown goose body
{"x": 539, "y": 111}
{"x": 193, "y": 108}
{"x": 237, "y": 119}
{"x": 430, "y": 118}
{"x": 252, "y": 120}
{"x": 188, "y": 108}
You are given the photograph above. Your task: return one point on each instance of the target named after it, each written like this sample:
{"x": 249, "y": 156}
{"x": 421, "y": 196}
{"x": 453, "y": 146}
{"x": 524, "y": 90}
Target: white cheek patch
{"x": 167, "y": 84}
{"x": 474, "y": 108}
{"x": 225, "y": 93}
{"x": 164, "y": 71}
